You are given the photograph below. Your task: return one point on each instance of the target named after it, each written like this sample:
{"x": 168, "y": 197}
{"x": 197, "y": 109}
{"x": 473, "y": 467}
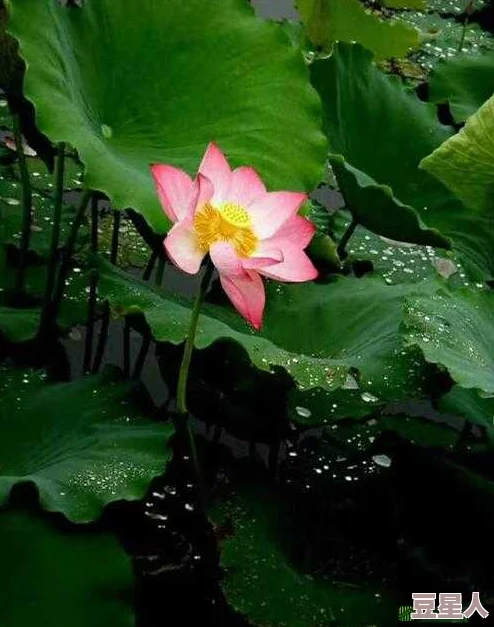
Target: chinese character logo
{"x": 449, "y": 606}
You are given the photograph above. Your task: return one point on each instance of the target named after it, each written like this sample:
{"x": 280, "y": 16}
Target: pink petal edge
{"x": 295, "y": 268}
{"x": 215, "y": 167}
{"x": 176, "y": 190}
{"x": 247, "y": 295}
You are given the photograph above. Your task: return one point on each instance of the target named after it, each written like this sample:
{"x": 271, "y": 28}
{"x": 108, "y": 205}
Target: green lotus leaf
{"x": 83, "y": 444}
{"x": 59, "y": 577}
{"x": 465, "y": 164}
{"x": 134, "y": 83}
{"x": 465, "y": 82}
{"x": 454, "y": 328}
{"x": 346, "y": 324}
{"x": 263, "y": 584}
{"x": 18, "y": 325}
{"x": 469, "y": 404}
{"x": 417, "y": 5}
{"x": 384, "y": 131}
{"x": 328, "y": 21}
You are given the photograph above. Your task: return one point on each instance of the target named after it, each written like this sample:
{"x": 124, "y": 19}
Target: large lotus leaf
{"x": 400, "y": 262}
{"x": 83, "y": 444}
{"x": 132, "y": 83}
{"x": 383, "y": 130}
{"x": 328, "y": 21}
{"x": 442, "y": 33}
{"x": 347, "y": 323}
{"x": 59, "y": 577}
{"x": 21, "y": 324}
{"x": 469, "y": 404}
{"x": 465, "y": 82}
{"x": 42, "y": 215}
{"x": 263, "y": 584}
{"x": 18, "y": 325}
{"x": 375, "y": 207}
{"x": 405, "y": 4}
{"x": 465, "y": 164}
{"x": 455, "y": 328}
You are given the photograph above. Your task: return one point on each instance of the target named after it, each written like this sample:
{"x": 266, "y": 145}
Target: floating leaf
{"x": 454, "y": 328}
{"x": 262, "y": 583}
{"x": 405, "y": 4}
{"x": 347, "y": 323}
{"x": 98, "y": 80}
{"x": 61, "y": 577}
{"x": 83, "y": 444}
{"x": 441, "y": 36}
{"x": 328, "y": 21}
{"x": 18, "y": 325}
{"x": 469, "y": 404}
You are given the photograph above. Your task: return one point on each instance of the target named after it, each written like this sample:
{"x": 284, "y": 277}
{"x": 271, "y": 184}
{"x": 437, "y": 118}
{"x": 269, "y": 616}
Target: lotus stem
{"x": 182, "y": 421}
{"x": 102, "y": 339}
{"x": 126, "y": 348}
{"x": 26, "y": 207}
{"x": 55, "y": 239}
{"x": 93, "y": 284}
{"x": 150, "y": 266}
{"x": 159, "y": 272}
{"x": 114, "y": 237}
{"x": 141, "y": 357}
{"x": 105, "y": 318}
{"x": 68, "y": 252}
{"x": 346, "y": 238}
{"x": 189, "y": 342}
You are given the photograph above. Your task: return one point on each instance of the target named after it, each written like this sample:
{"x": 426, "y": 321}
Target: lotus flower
{"x": 247, "y": 231}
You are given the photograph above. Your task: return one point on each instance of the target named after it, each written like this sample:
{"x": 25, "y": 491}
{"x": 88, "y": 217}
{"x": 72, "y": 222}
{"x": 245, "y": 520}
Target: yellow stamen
{"x": 230, "y": 223}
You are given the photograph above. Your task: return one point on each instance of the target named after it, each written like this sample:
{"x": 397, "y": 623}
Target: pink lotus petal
{"x": 215, "y": 167}
{"x": 205, "y": 191}
{"x": 247, "y": 295}
{"x": 296, "y": 266}
{"x": 245, "y": 186}
{"x": 176, "y": 191}
{"x": 225, "y": 258}
{"x": 271, "y": 211}
{"x": 181, "y": 246}
{"x": 298, "y": 230}
{"x": 266, "y": 254}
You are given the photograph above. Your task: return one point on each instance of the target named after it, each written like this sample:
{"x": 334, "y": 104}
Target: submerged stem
{"x": 26, "y": 207}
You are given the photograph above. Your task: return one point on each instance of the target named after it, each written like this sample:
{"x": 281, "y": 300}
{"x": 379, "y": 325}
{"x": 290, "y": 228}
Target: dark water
{"x": 275, "y": 9}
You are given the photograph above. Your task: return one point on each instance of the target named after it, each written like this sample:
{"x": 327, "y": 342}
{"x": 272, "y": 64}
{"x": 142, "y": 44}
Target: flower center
{"x": 230, "y": 223}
